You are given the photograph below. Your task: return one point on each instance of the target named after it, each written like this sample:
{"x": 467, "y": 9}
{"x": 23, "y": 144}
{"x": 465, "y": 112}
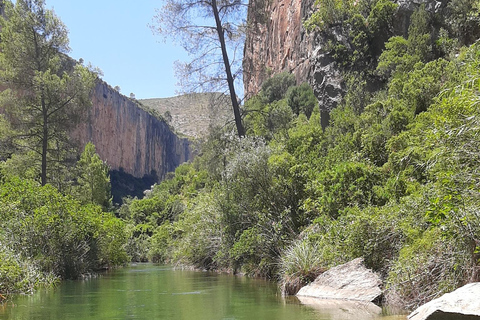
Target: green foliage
{"x": 300, "y": 264}
{"x": 356, "y": 31}
{"x": 20, "y": 165}
{"x": 198, "y": 234}
{"x": 159, "y": 246}
{"x": 301, "y": 99}
{"x": 61, "y": 236}
{"x": 329, "y": 12}
{"x": 93, "y": 179}
{"x": 47, "y": 94}
{"x": 270, "y": 120}
{"x": 347, "y": 184}
{"x": 402, "y": 54}
{"x": 463, "y": 20}
{"x": 19, "y": 275}
{"x": 275, "y": 88}
{"x": 426, "y": 269}
{"x": 270, "y": 113}
{"x": 393, "y": 179}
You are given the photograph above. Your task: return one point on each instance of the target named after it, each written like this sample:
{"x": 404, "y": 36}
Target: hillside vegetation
{"x": 393, "y": 179}
{"x": 193, "y": 114}
{"x": 56, "y": 214}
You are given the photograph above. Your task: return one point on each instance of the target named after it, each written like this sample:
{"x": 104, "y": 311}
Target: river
{"x": 147, "y": 291}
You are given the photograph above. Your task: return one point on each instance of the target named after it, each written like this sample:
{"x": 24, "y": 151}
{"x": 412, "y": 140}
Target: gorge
{"x": 129, "y": 138}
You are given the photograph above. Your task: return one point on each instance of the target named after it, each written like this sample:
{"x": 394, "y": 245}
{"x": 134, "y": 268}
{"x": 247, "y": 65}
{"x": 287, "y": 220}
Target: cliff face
{"x": 127, "y": 137}
{"x": 276, "y": 41}
{"x": 193, "y": 114}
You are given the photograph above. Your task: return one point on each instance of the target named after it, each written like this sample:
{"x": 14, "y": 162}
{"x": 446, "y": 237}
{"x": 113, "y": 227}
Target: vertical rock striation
{"x": 276, "y": 41}
{"x": 128, "y": 137}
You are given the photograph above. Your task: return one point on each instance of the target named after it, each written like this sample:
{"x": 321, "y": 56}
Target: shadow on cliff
{"x": 125, "y": 184}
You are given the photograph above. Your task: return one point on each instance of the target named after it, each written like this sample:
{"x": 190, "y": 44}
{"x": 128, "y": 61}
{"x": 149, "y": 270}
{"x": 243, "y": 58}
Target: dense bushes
{"x": 20, "y": 275}
{"x": 393, "y": 179}
{"x": 48, "y": 236}
{"x": 394, "y": 182}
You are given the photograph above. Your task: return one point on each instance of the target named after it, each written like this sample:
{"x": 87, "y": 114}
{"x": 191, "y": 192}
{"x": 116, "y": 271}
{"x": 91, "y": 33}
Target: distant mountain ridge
{"x": 192, "y": 114}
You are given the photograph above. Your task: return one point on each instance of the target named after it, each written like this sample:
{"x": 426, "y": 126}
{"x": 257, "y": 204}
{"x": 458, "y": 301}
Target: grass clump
{"x": 300, "y": 264}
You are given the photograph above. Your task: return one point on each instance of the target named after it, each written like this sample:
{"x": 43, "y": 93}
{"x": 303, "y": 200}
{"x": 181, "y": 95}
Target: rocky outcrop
{"x": 350, "y": 281}
{"x": 461, "y": 304}
{"x": 195, "y": 113}
{"x": 127, "y": 137}
{"x": 276, "y": 41}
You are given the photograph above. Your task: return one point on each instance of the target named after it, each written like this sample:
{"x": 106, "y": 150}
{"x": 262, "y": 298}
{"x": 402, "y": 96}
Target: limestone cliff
{"x": 125, "y": 136}
{"x": 276, "y": 41}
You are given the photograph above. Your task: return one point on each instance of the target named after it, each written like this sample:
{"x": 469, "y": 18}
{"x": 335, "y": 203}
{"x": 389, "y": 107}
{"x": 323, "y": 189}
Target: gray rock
{"x": 407, "y": 7}
{"x": 326, "y": 76}
{"x": 350, "y": 281}
{"x": 461, "y": 304}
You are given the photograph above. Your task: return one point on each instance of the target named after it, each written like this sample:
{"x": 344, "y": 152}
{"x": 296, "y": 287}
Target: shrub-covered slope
{"x": 393, "y": 179}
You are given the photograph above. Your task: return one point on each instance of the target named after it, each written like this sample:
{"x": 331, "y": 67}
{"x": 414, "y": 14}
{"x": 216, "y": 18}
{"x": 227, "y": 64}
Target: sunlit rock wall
{"x": 127, "y": 137}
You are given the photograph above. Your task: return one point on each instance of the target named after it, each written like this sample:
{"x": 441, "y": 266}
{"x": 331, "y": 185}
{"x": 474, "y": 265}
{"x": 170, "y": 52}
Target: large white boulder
{"x": 461, "y": 304}
{"x": 350, "y": 281}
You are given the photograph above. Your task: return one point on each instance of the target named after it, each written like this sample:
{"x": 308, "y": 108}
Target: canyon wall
{"x": 276, "y": 41}
{"x": 125, "y": 136}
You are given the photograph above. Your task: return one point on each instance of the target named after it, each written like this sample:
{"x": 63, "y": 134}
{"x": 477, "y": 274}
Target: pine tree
{"x": 48, "y": 92}
{"x": 93, "y": 179}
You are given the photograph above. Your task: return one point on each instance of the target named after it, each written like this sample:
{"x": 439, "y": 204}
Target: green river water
{"x": 146, "y": 291}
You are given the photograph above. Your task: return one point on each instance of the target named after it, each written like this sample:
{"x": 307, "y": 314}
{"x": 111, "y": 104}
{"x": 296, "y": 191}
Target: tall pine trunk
{"x": 228, "y": 71}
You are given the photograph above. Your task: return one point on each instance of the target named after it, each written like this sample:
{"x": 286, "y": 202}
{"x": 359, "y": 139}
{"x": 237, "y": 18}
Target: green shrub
{"x": 160, "y": 244}
{"x": 300, "y": 264}
{"x": 197, "y": 235}
{"x": 345, "y": 185}
{"x": 19, "y": 275}
{"x": 275, "y": 88}
{"x": 301, "y": 99}
{"x": 426, "y": 269}
{"x": 59, "y": 234}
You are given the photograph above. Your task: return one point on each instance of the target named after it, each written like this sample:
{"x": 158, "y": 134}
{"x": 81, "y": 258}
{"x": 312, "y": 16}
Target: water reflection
{"x": 158, "y": 292}
{"x": 343, "y": 310}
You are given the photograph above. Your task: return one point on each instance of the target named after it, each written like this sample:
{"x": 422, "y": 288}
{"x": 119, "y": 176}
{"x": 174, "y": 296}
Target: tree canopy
{"x": 47, "y": 91}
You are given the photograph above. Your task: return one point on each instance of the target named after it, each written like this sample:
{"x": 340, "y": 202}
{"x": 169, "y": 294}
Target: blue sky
{"x": 114, "y": 36}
